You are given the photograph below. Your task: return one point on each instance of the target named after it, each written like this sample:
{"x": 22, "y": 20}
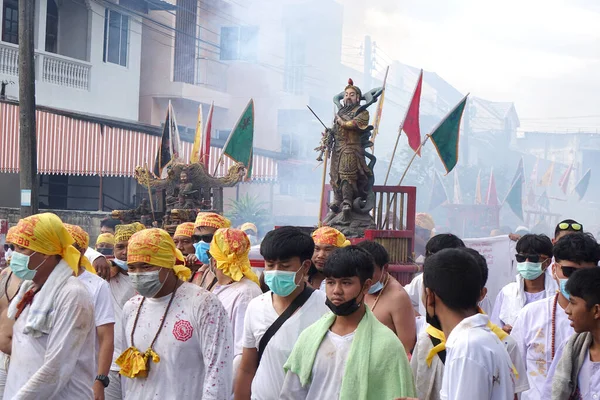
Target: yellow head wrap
{"x": 155, "y": 246}
{"x": 230, "y": 248}
{"x": 46, "y": 234}
{"x": 10, "y": 235}
{"x": 212, "y": 220}
{"x": 124, "y": 232}
{"x": 185, "y": 229}
{"x": 82, "y": 240}
{"x": 249, "y": 226}
{"x": 106, "y": 238}
{"x": 330, "y": 236}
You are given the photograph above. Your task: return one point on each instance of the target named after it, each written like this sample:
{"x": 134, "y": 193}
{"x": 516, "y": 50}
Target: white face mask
{"x": 147, "y": 284}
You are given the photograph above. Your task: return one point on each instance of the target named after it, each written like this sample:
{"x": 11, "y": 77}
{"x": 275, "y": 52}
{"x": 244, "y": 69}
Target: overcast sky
{"x": 543, "y": 55}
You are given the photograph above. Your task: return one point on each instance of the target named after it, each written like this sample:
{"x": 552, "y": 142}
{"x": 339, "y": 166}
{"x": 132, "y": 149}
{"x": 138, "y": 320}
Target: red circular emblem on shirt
{"x": 183, "y": 330}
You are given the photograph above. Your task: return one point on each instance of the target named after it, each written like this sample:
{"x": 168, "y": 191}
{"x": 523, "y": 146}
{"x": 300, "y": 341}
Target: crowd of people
{"x": 146, "y": 315}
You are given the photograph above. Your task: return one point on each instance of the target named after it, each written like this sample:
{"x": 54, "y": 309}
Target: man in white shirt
{"x": 53, "y": 345}
{"x": 236, "y": 284}
{"x": 534, "y": 256}
{"x": 287, "y": 252}
{"x": 103, "y": 312}
{"x": 178, "y": 335}
{"x": 343, "y": 355}
{"x": 477, "y": 365}
{"x": 542, "y": 326}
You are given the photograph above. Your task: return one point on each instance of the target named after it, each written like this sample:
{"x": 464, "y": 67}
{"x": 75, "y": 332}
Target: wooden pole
{"x": 27, "y": 131}
{"x": 100, "y": 195}
{"x": 379, "y": 110}
{"x": 150, "y": 198}
{"x": 323, "y": 186}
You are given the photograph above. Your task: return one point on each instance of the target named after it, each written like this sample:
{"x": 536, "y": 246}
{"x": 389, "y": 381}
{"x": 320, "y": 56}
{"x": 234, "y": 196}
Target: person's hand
{"x": 191, "y": 259}
{"x": 102, "y": 267}
{"x": 338, "y": 120}
{"x": 507, "y": 328}
{"x": 98, "y": 390}
{"x": 514, "y": 237}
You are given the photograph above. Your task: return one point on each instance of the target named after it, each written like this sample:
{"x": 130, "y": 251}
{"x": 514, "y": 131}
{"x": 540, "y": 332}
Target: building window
{"x": 116, "y": 37}
{"x": 52, "y": 27}
{"x": 239, "y": 43}
{"x": 10, "y": 21}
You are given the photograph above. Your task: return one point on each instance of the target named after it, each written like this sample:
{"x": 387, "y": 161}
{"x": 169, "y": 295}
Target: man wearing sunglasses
{"x": 534, "y": 256}
{"x": 205, "y": 227}
{"x": 565, "y": 228}
{"x": 542, "y": 327}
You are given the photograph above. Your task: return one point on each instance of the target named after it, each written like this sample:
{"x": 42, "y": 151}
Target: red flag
{"x": 205, "y": 150}
{"x": 411, "y": 122}
{"x": 492, "y": 195}
{"x": 564, "y": 179}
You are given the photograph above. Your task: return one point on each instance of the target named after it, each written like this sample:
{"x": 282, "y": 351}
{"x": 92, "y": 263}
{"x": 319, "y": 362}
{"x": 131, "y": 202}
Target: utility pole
{"x": 27, "y": 130}
{"x": 368, "y": 62}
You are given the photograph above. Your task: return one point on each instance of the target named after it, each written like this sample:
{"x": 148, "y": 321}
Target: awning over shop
{"x": 72, "y": 146}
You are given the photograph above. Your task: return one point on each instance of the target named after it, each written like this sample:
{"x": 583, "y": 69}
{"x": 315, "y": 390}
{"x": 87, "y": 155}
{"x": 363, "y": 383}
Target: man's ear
{"x": 596, "y": 311}
{"x": 367, "y": 286}
{"x": 429, "y": 298}
{"x": 483, "y": 294}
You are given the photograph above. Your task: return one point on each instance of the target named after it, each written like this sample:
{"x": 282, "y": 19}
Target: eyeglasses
{"x": 531, "y": 257}
{"x": 202, "y": 238}
{"x": 565, "y": 225}
{"x": 566, "y": 271}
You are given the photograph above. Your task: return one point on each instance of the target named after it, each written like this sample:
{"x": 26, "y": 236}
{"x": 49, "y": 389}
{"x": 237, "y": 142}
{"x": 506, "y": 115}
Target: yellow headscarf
{"x": 330, "y": 236}
{"x": 106, "y": 238}
{"x": 82, "y": 239}
{"x": 124, "y": 232}
{"x": 156, "y": 247}
{"x": 230, "y": 248}
{"x": 10, "y": 235}
{"x": 46, "y": 234}
{"x": 185, "y": 229}
{"x": 212, "y": 220}
{"x": 249, "y": 226}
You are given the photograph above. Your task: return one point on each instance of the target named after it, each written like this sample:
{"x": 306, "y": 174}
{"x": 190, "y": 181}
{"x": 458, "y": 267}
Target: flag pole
{"x": 323, "y": 186}
{"x": 400, "y": 130}
{"x": 379, "y": 110}
{"x": 150, "y": 195}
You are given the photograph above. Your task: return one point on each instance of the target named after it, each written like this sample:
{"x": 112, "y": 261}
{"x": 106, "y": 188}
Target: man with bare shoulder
{"x": 9, "y": 286}
{"x": 388, "y": 300}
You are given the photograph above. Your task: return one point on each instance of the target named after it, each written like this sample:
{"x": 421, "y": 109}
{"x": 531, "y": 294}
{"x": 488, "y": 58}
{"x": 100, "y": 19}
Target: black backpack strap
{"x": 296, "y": 304}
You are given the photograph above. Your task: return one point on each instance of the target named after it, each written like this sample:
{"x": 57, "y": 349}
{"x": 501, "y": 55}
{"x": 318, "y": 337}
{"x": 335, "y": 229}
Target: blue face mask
{"x": 121, "y": 264}
{"x": 282, "y": 283}
{"x": 563, "y": 288}
{"x": 530, "y": 270}
{"x": 19, "y": 265}
{"x": 376, "y": 287}
{"x": 201, "y": 249}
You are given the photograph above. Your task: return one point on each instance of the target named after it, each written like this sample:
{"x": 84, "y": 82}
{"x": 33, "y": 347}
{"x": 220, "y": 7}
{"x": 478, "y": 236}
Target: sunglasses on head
{"x": 531, "y": 257}
{"x": 202, "y": 238}
{"x": 566, "y": 271}
{"x": 565, "y": 225}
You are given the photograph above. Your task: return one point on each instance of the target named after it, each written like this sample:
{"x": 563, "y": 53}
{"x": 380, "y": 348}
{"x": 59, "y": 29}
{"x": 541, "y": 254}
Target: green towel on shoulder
{"x": 377, "y": 367}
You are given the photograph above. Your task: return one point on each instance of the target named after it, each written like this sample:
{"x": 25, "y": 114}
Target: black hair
{"x": 534, "y": 244}
{"x": 443, "y": 241}
{"x": 379, "y": 253}
{"x": 577, "y": 247}
{"x": 481, "y": 263}
{"x": 584, "y": 283}
{"x": 287, "y": 242}
{"x": 557, "y": 230}
{"x": 454, "y": 276}
{"x": 109, "y": 223}
{"x": 12, "y": 247}
{"x": 6, "y": 247}
{"x": 350, "y": 261}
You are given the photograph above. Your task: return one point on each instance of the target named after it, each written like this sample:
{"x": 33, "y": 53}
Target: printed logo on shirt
{"x": 183, "y": 330}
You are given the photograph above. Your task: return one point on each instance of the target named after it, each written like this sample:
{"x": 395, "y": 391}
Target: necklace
{"x": 387, "y": 279}
{"x": 553, "y": 324}
{"x": 162, "y": 321}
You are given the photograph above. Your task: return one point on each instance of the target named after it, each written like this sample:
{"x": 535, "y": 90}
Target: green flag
{"x": 240, "y": 141}
{"x": 445, "y": 136}
{"x": 514, "y": 198}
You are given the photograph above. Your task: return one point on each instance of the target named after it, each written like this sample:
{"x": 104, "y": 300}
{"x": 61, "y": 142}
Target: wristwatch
{"x": 103, "y": 379}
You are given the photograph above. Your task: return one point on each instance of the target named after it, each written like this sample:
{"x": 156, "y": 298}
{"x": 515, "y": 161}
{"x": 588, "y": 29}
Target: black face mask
{"x": 105, "y": 251}
{"x": 344, "y": 309}
{"x": 433, "y": 321}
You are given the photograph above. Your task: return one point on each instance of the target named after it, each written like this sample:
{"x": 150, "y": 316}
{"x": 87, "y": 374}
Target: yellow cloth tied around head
{"x": 134, "y": 364}
{"x": 10, "y": 235}
{"x": 249, "y": 226}
{"x": 156, "y": 247}
{"x": 124, "y": 232}
{"x": 82, "y": 240}
{"x": 330, "y": 236}
{"x": 212, "y": 220}
{"x": 46, "y": 234}
{"x": 230, "y": 249}
{"x": 105, "y": 238}
{"x": 185, "y": 229}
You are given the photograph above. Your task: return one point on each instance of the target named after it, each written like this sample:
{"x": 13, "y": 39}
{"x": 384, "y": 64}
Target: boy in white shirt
{"x": 477, "y": 364}
{"x": 287, "y": 252}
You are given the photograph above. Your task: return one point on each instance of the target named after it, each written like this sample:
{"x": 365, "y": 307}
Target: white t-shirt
{"x": 529, "y": 298}
{"x": 121, "y": 291}
{"x": 533, "y": 333}
{"x": 100, "y": 292}
{"x": 62, "y": 364}
{"x": 477, "y": 363}
{"x": 260, "y": 315}
{"x": 327, "y": 372}
{"x": 194, "y": 346}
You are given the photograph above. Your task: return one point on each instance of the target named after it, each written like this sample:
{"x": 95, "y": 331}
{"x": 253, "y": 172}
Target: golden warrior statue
{"x": 351, "y": 177}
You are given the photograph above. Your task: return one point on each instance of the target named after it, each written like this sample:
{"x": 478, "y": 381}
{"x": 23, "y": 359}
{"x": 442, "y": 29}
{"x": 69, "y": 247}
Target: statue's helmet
{"x": 355, "y": 88}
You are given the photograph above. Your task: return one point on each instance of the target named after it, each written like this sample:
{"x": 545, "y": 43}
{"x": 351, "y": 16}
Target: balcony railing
{"x": 52, "y": 68}
{"x": 211, "y": 73}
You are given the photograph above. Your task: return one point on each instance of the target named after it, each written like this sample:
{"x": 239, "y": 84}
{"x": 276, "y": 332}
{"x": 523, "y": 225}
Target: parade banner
{"x": 446, "y": 136}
